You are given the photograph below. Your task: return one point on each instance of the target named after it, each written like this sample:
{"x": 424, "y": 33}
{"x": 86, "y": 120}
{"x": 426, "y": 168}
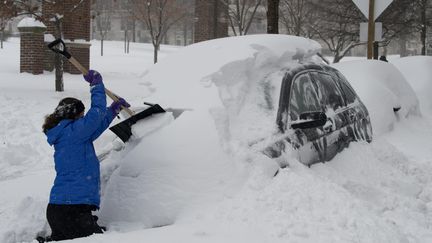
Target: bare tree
{"x": 158, "y": 16}
{"x": 423, "y": 19}
{"x": 273, "y": 16}
{"x": 241, "y": 14}
{"x": 13, "y": 8}
{"x": 33, "y": 7}
{"x": 338, "y": 25}
{"x": 7, "y": 12}
{"x": 398, "y": 23}
{"x": 298, "y": 17}
{"x": 103, "y": 10}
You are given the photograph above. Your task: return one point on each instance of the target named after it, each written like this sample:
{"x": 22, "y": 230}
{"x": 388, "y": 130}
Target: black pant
{"x": 72, "y": 221}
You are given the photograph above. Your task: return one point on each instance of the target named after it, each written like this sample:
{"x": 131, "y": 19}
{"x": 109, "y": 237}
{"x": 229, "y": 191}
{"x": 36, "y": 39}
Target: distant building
{"x": 121, "y": 27}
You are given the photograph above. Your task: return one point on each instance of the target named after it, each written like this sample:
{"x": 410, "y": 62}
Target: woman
{"x": 75, "y": 193}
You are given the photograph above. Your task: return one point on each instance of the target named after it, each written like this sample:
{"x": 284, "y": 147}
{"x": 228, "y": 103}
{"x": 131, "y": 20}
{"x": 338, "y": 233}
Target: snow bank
{"x": 381, "y": 87}
{"x": 418, "y": 73}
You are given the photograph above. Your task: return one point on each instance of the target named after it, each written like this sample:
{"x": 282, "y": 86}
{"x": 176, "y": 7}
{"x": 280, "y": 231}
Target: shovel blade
{"x": 123, "y": 130}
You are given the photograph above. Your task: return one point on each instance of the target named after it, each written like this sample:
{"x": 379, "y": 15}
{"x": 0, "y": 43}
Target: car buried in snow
{"x": 319, "y": 114}
{"x": 251, "y": 103}
{"x": 261, "y": 93}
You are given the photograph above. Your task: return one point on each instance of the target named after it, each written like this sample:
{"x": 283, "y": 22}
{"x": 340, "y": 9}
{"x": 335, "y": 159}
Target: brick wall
{"x": 75, "y": 26}
{"x": 81, "y": 52}
{"x": 76, "y": 21}
{"x": 32, "y": 50}
{"x": 210, "y": 20}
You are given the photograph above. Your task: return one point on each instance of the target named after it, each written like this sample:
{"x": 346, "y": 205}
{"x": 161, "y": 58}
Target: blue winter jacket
{"x": 78, "y": 174}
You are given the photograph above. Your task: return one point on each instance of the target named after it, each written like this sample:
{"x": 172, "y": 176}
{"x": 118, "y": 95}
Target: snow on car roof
{"x": 237, "y": 79}
{"x": 191, "y": 70}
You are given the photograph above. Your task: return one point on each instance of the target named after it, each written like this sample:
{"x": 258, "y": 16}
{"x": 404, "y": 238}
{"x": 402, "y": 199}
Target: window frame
{"x": 295, "y": 77}
{"x": 338, "y": 86}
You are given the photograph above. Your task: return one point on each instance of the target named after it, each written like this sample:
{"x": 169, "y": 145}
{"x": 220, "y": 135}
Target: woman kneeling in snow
{"x": 76, "y": 190}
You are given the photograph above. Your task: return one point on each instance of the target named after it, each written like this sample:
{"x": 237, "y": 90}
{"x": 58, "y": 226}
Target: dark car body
{"x": 319, "y": 114}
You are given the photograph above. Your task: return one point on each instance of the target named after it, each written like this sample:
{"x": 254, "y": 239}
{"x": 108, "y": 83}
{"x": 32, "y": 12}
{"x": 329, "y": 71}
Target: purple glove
{"x": 116, "y": 106}
{"x": 93, "y": 77}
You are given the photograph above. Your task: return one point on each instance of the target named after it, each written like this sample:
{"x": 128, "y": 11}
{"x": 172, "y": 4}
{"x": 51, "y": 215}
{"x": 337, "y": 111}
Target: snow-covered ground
{"x": 378, "y": 192}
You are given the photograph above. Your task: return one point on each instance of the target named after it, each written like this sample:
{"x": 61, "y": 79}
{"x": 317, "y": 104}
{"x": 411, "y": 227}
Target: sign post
{"x": 371, "y": 29}
{"x": 372, "y": 12}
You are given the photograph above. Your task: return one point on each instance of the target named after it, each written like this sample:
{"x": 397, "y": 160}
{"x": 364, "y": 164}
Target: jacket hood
{"x": 55, "y": 133}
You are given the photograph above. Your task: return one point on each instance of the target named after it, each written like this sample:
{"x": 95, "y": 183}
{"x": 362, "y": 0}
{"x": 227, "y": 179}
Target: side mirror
{"x": 310, "y": 120}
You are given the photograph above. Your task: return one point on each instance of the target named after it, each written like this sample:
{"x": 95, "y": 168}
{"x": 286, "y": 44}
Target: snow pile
{"x": 382, "y": 88}
{"x": 418, "y": 73}
{"x": 30, "y": 22}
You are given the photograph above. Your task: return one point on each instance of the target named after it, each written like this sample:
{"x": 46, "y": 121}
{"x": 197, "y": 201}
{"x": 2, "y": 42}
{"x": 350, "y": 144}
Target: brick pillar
{"x": 211, "y": 20}
{"x": 76, "y": 30}
{"x": 81, "y": 52}
{"x": 32, "y": 47}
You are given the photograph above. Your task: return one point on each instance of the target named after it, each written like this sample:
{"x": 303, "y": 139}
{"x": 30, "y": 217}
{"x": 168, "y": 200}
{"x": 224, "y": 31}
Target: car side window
{"x": 304, "y": 97}
{"x": 350, "y": 96}
{"x": 328, "y": 92}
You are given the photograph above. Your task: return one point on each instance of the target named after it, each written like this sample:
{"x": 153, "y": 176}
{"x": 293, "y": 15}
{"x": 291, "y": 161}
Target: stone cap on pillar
{"x": 29, "y": 24}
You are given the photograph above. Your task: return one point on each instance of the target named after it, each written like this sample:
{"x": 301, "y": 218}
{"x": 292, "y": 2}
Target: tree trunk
{"x": 134, "y": 31}
{"x": 125, "y": 40}
{"x": 185, "y": 32}
{"x": 402, "y": 46}
{"x": 423, "y": 31}
{"x": 337, "y": 58}
{"x": 102, "y": 47}
{"x": 58, "y": 63}
{"x": 273, "y": 16}
{"x": 155, "y": 53}
{"x": 1, "y": 38}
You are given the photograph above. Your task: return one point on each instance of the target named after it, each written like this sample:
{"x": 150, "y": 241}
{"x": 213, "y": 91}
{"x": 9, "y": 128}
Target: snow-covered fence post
{"x": 32, "y": 45}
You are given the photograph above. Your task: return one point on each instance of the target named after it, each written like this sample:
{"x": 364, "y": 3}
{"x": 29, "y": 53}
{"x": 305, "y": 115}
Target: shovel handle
{"x": 84, "y": 71}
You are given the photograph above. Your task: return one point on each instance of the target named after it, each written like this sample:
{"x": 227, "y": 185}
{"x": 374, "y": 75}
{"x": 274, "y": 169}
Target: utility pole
{"x": 371, "y": 29}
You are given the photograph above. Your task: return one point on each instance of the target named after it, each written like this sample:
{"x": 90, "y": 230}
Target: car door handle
{"x": 328, "y": 126}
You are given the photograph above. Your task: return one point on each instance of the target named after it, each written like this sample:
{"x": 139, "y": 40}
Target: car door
{"x": 359, "y": 127}
{"x": 304, "y": 98}
{"x": 338, "y": 114}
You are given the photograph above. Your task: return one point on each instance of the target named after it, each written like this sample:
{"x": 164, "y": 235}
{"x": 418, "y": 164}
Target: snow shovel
{"x": 123, "y": 129}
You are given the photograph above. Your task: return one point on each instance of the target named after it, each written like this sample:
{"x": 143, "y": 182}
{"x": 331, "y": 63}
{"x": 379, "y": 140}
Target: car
{"x": 248, "y": 102}
{"x": 295, "y": 96}
{"x": 319, "y": 113}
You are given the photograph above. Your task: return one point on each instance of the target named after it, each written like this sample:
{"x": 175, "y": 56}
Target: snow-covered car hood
{"x": 417, "y": 72}
{"x": 382, "y": 88}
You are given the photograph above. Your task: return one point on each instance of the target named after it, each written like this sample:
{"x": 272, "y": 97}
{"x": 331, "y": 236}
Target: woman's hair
{"x": 68, "y": 108}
